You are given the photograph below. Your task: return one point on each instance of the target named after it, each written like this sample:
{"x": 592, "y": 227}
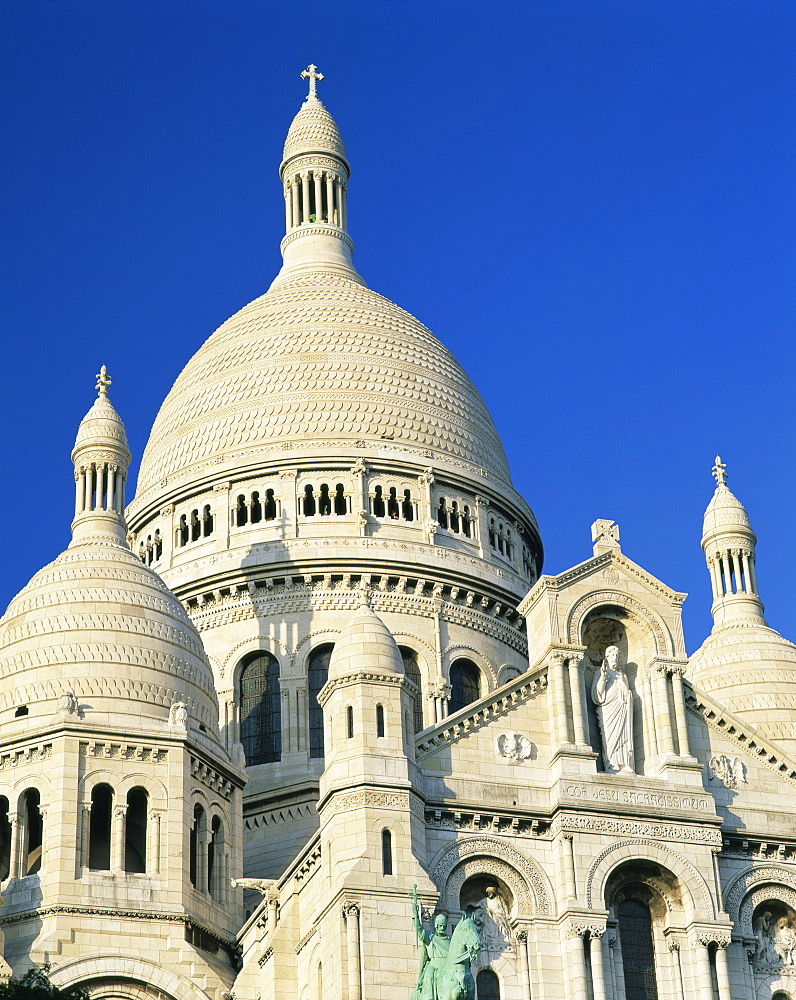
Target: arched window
{"x": 135, "y": 830}
{"x": 379, "y": 720}
{"x": 269, "y": 508}
{"x": 466, "y": 521}
{"x": 412, "y": 671}
{"x": 340, "y": 505}
{"x": 442, "y": 513}
{"x": 99, "y": 828}
{"x": 465, "y": 685}
{"x": 207, "y": 521}
{"x": 378, "y": 502}
{"x": 32, "y": 833}
{"x": 257, "y": 508}
{"x": 487, "y": 985}
{"x": 142, "y": 552}
{"x": 349, "y": 717}
{"x": 407, "y": 507}
{"x": 197, "y": 863}
{"x": 241, "y": 511}
{"x": 325, "y": 501}
{"x": 158, "y": 545}
{"x": 261, "y": 709}
{"x": 386, "y": 852}
{"x": 454, "y": 516}
{"x": 308, "y": 508}
{"x": 492, "y": 536}
{"x": 5, "y": 839}
{"x": 196, "y": 526}
{"x": 317, "y": 675}
{"x": 638, "y": 956}
{"x": 392, "y": 504}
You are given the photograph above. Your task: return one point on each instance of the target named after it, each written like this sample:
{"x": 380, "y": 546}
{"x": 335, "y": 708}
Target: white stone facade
{"x": 326, "y": 576}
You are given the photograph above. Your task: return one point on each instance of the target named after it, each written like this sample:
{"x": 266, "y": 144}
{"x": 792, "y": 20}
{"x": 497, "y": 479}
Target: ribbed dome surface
{"x": 98, "y": 622}
{"x": 365, "y": 644}
{"x": 725, "y": 510}
{"x": 320, "y": 359}
{"x": 101, "y": 426}
{"x": 313, "y": 130}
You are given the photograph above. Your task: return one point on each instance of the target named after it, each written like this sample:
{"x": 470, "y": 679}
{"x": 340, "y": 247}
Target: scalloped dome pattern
{"x": 99, "y": 622}
{"x": 725, "y": 510}
{"x": 365, "y": 644}
{"x": 313, "y": 130}
{"x": 102, "y": 424}
{"x": 320, "y": 359}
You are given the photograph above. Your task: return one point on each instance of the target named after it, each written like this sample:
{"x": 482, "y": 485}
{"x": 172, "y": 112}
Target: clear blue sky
{"x": 591, "y": 203}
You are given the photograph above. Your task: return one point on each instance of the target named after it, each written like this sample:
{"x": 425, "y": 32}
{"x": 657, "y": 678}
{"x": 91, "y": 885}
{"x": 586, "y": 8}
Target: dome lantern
{"x": 101, "y": 458}
{"x": 729, "y": 546}
{"x": 315, "y": 175}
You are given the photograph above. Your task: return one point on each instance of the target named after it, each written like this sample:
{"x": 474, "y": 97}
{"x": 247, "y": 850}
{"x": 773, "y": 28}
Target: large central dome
{"x": 320, "y": 359}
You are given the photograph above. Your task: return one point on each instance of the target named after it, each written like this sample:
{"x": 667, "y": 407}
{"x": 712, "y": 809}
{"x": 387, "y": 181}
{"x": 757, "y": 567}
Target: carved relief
{"x": 514, "y": 747}
{"x": 730, "y": 771}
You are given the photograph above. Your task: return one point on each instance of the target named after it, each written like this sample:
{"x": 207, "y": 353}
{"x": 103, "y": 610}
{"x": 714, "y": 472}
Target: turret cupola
{"x": 729, "y": 546}
{"x": 101, "y": 459}
{"x": 315, "y": 175}
{"x": 744, "y": 663}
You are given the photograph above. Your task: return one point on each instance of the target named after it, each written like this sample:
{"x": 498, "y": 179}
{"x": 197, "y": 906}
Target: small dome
{"x": 101, "y": 427}
{"x": 751, "y": 669}
{"x": 313, "y": 130}
{"x": 99, "y": 623}
{"x": 366, "y": 644}
{"x": 725, "y": 512}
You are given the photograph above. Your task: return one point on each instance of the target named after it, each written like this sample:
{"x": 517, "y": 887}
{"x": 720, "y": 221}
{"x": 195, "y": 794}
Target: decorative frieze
{"x": 501, "y": 824}
{"x": 208, "y": 775}
{"x": 123, "y": 751}
{"x": 26, "y": 755}
{"x": 669, "y": 832}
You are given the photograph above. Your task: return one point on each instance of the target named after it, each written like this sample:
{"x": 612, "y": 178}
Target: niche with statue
{"x": 490, "y": 903}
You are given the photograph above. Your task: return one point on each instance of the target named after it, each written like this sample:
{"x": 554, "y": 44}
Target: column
{"x": 351, "y": 914}
{"x": 715, "y": 576}
{"x": 597, "y": 970}
{"x": 674, "y": 948}
{"x": 316, "y": 177}
{"x": 305, "y": 196}
{"x": 746, "y": 577}
{"x": 557, "y": 683}
{"x": 16, "y": 847}
{"x": 83, "y": 846}
{"x": 619, "y": 969}
{"x": 343, "y": 211}
{"x": 703, "y": 982}
{"x": 573, "y": 665}
{"x": 329, "y": 199}
{"x": 577, "y": 964}
{"x": 294, "y": 202}
{"x": 153, "y": 847}
{"x": 110, "y": 500}
{"x": 679, "y": 712}
{"x": 662, "y": 715}
{"x": 752, "y": 572}
{"x": 79, "y": 491}
{"x": 203, "y": 840}
{"x": 118, "y": 838}
{"x": 722, "y": 971}
{"x": 525, "y": 969}
{"x": 568, "y": 860}
{"x": 89, "y": 484}
{"x": 287, "y": 206}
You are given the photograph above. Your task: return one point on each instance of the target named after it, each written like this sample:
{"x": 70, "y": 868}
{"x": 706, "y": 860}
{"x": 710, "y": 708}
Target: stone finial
{"x": 311, "y": 73}
{"x": 720, "y": 472}
{"x": 103, "y": 382}
{"x": 605, "y": 535}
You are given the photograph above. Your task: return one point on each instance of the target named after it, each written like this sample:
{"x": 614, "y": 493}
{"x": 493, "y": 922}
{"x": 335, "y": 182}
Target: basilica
{"x": 306, "y": 720}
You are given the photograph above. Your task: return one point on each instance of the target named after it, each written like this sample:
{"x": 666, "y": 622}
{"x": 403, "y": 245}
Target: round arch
{"x": 488, "y": 856}
{"x": 130, "y": 972}
{"x": 647, "y": 619}
{"x": 697, "y": 892}
{"x": 753, "y": 886}
{"x": 461, "y": 652}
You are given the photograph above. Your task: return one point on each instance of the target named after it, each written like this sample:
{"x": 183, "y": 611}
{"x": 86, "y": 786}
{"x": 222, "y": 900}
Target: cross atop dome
{"x": 720, "y": 472}
{"x": 311, "y": 73}
{"x": 103, "y": 382}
